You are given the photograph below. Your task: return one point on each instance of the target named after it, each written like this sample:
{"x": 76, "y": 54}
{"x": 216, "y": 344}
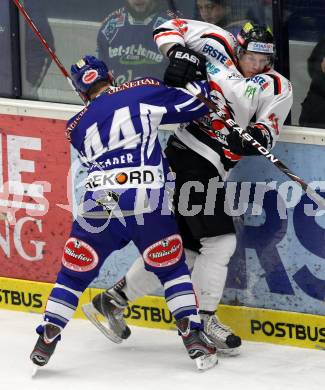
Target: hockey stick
{"x": 233, "y": 126}
{"x": 172, "y": 10}
{"x": 48, "y": 49}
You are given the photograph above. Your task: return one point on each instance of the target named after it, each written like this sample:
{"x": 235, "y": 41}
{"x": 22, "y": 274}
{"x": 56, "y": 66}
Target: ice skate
{"x": 198, "y": 345}
{"x": 223, "y": 337}
{"x": 111, "y": 305}
{"x": 45, "y": 345}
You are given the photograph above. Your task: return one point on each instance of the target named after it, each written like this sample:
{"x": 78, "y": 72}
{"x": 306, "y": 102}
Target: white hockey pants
{"x": 209, "y": 272}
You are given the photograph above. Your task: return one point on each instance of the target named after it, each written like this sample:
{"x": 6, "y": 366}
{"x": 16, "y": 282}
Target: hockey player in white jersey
{"x": 253, "y": 94}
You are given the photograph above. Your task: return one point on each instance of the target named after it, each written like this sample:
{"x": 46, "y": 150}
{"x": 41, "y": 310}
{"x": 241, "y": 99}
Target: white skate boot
{"x": 223, "y": 337}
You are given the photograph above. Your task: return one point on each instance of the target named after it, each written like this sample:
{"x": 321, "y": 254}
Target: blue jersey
{"x": 127, "y": 47}
{"x": 116, "y": 136}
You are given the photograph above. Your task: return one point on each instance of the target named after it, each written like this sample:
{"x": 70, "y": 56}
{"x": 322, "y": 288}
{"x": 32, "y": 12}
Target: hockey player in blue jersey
{"x": 125, "y": 202}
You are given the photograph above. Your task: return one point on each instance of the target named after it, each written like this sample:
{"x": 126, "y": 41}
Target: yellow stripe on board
{"x": 30, "y": 296}
{"x": 272, "y": 326}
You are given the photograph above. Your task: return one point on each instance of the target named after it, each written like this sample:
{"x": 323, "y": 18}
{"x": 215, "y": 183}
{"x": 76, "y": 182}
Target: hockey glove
{"x": 240, "y": 146}
{"x": 184, "y": 65}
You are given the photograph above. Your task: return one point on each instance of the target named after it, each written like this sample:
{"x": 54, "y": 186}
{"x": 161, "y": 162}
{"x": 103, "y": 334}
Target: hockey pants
{"x": 84, "y": 253}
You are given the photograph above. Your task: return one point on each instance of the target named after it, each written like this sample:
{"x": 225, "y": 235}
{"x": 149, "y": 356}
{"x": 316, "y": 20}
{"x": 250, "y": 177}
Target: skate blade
{"x": 92, "y": 314}
{"x": 229, "y": 351}
{"x": 34, "y": 370}
{"x": 205, "y": 362}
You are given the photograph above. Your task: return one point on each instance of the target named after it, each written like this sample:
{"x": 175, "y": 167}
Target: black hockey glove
{"x": 240, "y": 146}
{"x": 184, "y": 65}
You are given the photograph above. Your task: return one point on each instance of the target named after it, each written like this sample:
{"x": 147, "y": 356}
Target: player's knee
{"x": 163, "y": 254}
{"x": 221, "y": 247}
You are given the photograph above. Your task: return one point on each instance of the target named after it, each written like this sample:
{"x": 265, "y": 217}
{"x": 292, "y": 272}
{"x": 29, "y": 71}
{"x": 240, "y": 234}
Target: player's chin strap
{"x": 233, "y": 126}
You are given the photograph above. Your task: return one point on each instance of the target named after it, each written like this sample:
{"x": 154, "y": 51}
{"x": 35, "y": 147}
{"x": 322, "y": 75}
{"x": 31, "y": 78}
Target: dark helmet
{"x": 88, "y": 71}
{"x": 257, "y": 38}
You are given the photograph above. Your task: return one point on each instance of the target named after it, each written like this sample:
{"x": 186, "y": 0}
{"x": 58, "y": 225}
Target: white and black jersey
{"x": 263, "y": 100}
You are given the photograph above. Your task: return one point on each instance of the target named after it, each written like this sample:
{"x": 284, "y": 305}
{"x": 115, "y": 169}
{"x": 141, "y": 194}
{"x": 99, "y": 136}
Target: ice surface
{"x": 149, "y": 360}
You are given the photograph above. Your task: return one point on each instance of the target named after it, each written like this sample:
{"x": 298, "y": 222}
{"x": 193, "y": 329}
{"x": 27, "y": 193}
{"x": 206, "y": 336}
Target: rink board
{"x": 254, "y": 324}
{"x": 279, "y": 259}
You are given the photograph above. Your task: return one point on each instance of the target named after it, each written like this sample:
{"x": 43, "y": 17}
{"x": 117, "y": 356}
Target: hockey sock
{"x": 179, "y": 295}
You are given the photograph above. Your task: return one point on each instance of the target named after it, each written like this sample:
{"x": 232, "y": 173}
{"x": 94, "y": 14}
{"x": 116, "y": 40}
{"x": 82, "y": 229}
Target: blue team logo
{"x": 215, "y": 53}
{"x": 112, "y": 25}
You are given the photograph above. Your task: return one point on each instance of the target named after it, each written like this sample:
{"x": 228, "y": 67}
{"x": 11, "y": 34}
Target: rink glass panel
{"x": 306, "y": 27}
{"x": 71, "y": 29}
{"x": 6, "y": 79}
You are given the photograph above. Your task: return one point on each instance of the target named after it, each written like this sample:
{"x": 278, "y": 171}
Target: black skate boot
{"x": 111, "y": 304}
{"x": 45, "y": 345}
{"x": 198, "y": 345}
{"x": 223, "y": 337}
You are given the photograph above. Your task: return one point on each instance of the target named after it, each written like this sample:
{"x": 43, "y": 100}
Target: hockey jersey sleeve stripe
{"x": 277, "y": 83}
{"x": 165, "y": 34}
{"x": 160, "y": 30}
{"x": 185, "y": 104}
{"x": 192, "y": 103}
{"x": 197, "y": 107}
{"x": 220, "y": 39}
{"x": 181, "y": 105}
{"x": 231, "y": 156}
